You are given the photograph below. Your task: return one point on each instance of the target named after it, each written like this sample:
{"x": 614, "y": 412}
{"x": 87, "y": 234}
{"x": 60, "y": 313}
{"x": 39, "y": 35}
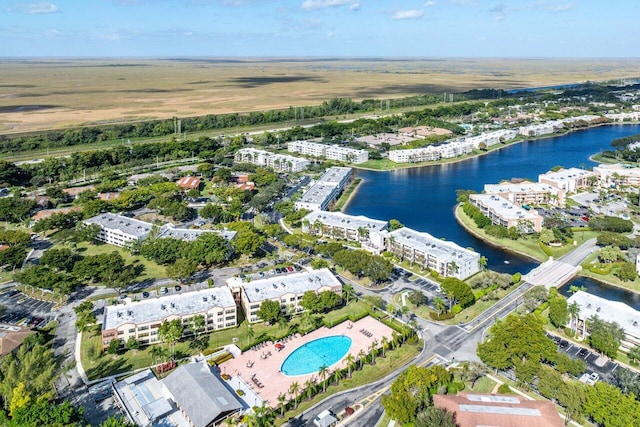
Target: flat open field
{"x": 40, "y": 94}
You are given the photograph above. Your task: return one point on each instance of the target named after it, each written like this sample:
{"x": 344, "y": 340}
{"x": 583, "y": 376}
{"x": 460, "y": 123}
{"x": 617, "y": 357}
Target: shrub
{"x": 504, "y": 389}
{"x": 443, "y": 316}
{"x": 240, "y": 392}
{"x": 456, "y": 309}
{"x": 516, "y": 277}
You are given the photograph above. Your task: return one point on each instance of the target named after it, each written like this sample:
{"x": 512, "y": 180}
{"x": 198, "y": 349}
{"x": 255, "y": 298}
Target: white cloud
{"x": 322, "y": 4}
{"x": 354, "y": 7}
{"x": 562, "y": 7}
{"x": 430, "y": 4}
{"x": 330, "y": 35}
{"x": 408, "y": 14}
{"x": 39, "y": 8}
{"x": 187, "y": 33}
{"x": 499, "y": 12}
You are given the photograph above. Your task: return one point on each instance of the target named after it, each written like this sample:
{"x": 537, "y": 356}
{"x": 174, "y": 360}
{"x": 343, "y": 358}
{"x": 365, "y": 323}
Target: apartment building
{"x": 527, "y": 193}
{"x": 569, "y": 180}
{"x": 415, "y": 155}
{"x": 369, "y": 232}
{"x": 455, "y": 148}
{"x": 328, "y": 151}
{"x": 287, "y": 289}
{"x": 492, "y": 138}
{"x": 505, "y": 213}
{"x": 279, "y": 162}
{"x": 120, "y": 230}
{"x": 142, "y": 319}
{"x": 617, "y": 175}
{"x": 447, "y": 258}
{"x": 325, "y": 190}
{"x": 538, "y": 129}
{"x": 610, "y": 311}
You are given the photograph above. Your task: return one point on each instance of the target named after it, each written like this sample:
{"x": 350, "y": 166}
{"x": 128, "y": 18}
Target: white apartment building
{"x": 527, "y": 193}
{"x": 447, "y": 258}
{"x": 325, "y": 190}
{"x": 492, "y": 138}
{"x": 538, "y": 129}
{"x": 504, "y": 213}
{"x": 369, "y": 232}
{"x": 142, "y": 319}
{"x": 624, "y": 117}
{"x": 331, "y": 152}
{"x": 616, "y": 175}
{"x": 279, "y": 162}
{"x": 286, "y": 289}
{"x": 120, "y": 230}
{"x": 455, "y": 148}
{"x": 610, "y": 311}
{"x": 569, "y": 180}
{"x": 415, "y": 155}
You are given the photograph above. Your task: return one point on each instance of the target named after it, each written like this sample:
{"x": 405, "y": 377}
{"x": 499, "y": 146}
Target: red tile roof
{"x": 189, "y": 182}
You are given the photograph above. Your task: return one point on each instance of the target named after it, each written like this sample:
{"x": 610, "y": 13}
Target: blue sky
{"x": 361, "y": 28}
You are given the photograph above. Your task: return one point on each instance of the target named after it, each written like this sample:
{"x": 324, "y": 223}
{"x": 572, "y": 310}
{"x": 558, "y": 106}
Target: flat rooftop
{"x": 611, "y": 311}
{"x": 565, "y": 174}
{"x": 335, "y": 175}
{"x": 125, "y": 224}
{"x": 522, "y": 187}
{"x": 191, "y": 235}
{"x": 504, "y": 208}
{"x": 338, "y": 219}
{"x": 295, "y": 283}
{"x": 426, "y": 243}
{"x": 157, "y": 309}
{"x": 318, "y": 193}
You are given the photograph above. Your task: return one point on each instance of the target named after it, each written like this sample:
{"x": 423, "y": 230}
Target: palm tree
{"x": 439, "y": 304}
{"x": 157, "y": 352}
{"x": 250, "y": 333}
{"x": 482, "y": 263}
{"x": 197, "y": 323}
{"x": 574, "y": 311}
{"x": 350, "y": 359}
{"x": 347, "y": 292}
{"x": 310, "y": 386}
{"x": 323, "y": 372}
{"x": 262, "y": 417}
{"x": 294, "y": 389}
{"x": 385, "y": 343}
{"x": 361, "y": 356}
{"x": 372, "y": 351}
{"x": 363, "y": 233}
{"x": 281, "y": 399}
{"x": 405, "y": 311}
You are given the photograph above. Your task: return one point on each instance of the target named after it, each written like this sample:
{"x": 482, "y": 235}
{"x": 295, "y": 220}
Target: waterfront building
{"x": 538, "y": 129}
{"x": 286, "y": 289}
{"x": 447, "y": 258}
{"x": 624, "y": 117}
{"x": 415, "y": 155}
{"x": 279, "y": 162}
{"x": 368, "y": 232}
{"x": 527, "y": 193}
{"x": 455, "y": 148}
{"x": 142, "y": 319}
{"x": 492, "y": 138}
{"x": 610, "y": 311}
{"x": 121, "y": 231}
{"x": 505, "y": 213}
{"x": 617, "y": 175}
{"x": 329, "y": 151}
{"x": 325, "y": 190}
{"x": 569, "y": 180}
{"x": 476, "y": 410}
{"x": 191, "y": 396}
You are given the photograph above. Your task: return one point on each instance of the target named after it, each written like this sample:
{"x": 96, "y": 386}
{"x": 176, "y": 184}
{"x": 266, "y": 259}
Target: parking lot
{"x": 21, "y": 309}
{"x": 605, "y": 372}
{"x": 400, "y": 277}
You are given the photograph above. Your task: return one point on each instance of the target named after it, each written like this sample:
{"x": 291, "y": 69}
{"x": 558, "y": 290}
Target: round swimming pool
{"x": 309, "y": 357}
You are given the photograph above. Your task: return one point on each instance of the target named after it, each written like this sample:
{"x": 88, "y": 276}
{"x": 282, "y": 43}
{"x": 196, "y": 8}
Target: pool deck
{"x": 252, "y": 364}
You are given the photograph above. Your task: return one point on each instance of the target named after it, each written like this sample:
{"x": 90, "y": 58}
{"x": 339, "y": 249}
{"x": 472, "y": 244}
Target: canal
{"x": 423, "y": 198}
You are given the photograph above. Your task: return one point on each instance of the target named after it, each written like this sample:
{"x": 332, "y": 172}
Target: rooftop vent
{"x": 204, "y": 299}
{"x": 163, "y": 307}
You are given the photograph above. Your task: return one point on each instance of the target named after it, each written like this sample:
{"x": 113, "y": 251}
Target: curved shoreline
{"x": 496, "y": 147}
{"x": 489, "y": 241}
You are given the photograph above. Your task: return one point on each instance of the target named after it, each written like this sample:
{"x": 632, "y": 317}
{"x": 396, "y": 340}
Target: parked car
{"x": 178, "y": 288}
{"x": 289, "y": 269}
{"x": 164, "y": 290}
{"x": 145, "y": 294}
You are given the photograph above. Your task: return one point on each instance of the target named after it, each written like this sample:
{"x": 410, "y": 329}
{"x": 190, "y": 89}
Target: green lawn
{"x": 609, "y": 276}
{"x": 483, "y": 385}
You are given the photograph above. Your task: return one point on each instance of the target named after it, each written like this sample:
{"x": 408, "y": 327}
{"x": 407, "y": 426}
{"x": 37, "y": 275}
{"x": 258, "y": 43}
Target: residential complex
{"x": 527, "y": 193}
{"x": 415, "y": 155}
{"x": 447, "y": 258}
{"x": 279, "y": 162}
{"x": 505, "y": 213}
{"x": 285, "y": 289}
{"x": 369, "y": 232}
{"x": 617, "y": 175}
{"x": 476, "y": 410}
{"x": 325, "y": 190}
{"x": 192, "y": 396}
{"x": 330, "y": 152}
{"x": 492, "y": 138}
{"x": 120, "y": 230}
{"x": 142, "y": 319}
{"x": 569, "y": 180}
{"x": 610, "y": 311}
